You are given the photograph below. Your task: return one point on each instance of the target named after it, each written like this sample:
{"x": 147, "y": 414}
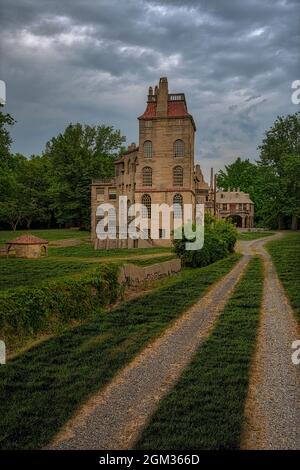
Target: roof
{"x": 234, "y": 197}
{"x": 27, "y": 240}
{"x": 176, "y": 108}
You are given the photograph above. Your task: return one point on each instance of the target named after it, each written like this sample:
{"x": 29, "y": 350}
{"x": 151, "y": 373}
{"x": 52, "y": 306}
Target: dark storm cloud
{"x": 92, "y": 61}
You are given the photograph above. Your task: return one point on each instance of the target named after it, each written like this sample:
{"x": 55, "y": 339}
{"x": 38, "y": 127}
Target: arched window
{"x": 147, "y": 176}
{"x": 179, "y": 148}
{"x": 178, "y": 206}
{"x": 148, "y": 149}
{"x": 178, "y": 176}
{"x": 146, "y": 201}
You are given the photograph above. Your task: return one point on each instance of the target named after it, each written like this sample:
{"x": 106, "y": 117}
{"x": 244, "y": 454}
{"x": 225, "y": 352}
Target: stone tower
{"x": 160, "y": 169}
{"x": 166, "y": 149}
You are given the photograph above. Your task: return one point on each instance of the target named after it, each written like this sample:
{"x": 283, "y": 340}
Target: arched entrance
{"x": 237, "y": 220}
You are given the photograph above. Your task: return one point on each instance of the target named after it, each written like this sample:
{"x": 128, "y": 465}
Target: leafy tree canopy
{"x": 74, "y": 157}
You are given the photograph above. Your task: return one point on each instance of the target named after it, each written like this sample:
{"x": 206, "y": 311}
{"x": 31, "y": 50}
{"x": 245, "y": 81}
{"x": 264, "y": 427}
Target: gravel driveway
{"x": 273, "y": 404}
{"x": 114, "y": 418}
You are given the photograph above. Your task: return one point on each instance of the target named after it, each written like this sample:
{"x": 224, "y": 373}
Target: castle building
{"x": 237, "y": 206}
{"x": 159, "y": 170}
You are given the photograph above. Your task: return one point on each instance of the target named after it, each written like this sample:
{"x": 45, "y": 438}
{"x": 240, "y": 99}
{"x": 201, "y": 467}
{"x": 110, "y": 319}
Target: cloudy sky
{"x": 92, "y": 61}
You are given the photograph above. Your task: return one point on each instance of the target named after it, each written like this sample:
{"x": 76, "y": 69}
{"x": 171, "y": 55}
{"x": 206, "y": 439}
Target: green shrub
{"x": 219, "y": 239}
{"x": 25, "y": 311}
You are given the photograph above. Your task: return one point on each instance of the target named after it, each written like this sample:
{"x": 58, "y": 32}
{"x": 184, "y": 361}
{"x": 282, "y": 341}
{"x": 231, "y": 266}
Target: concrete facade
{"x": 134, "y": 275}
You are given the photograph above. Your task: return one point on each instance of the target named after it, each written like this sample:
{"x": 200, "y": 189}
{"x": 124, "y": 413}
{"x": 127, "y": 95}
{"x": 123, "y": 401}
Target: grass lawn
{"x": 41, "y": 388}
{"x": 205, "y": 409}
{"x": 253, "y": 235}
{"x": 51, "y": 234}
{"x": 149, "y": 261}
{"x": 286, "y": 256}
{"x": 16, "y": 272}
{"x": 85, "y": 250}
{"x": 26, "y": 272}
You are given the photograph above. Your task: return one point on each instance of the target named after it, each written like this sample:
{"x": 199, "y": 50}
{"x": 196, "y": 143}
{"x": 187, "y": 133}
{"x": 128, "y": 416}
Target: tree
{"x": 73, "y": 159}
{"x": 11, "y": 199}
{"x": 33, "y": 178}
{"x": 279, "y": 169}
{"x": 5, "y": 139}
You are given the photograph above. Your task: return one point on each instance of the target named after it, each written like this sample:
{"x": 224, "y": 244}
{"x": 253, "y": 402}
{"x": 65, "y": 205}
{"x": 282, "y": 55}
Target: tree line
{"x": 273, "y": 181}
{"x": 53, "y": 189}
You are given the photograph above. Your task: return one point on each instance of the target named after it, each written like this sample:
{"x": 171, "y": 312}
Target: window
{"x": 112, "y": 193}
{"x": 177, "y": 205}
{"x": 148, "y": 149}
{"x": 147, "y": 176}
{"x": 148, "y": 123}
{"x": 111, "y": 219}
{"x": 100, "y": 195}
{"x": 179, "y": 148}
{"x": 178, "y": 176}
{"x": 146, "y": 201}
{"x": 162, "y": 233}
{"x": 224, "y": 207}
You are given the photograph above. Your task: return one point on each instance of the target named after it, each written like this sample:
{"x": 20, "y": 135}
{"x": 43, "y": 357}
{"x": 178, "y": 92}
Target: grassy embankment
{"x": 253, "y": 235}
{"x": 285, "y": 253}
{"x": 42, "y": 388}
{"x": 205, "y": 409}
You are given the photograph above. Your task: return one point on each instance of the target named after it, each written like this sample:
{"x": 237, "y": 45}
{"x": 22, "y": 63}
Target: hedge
{"x": 219, "y": 240}
{"x": 26, "y": 311}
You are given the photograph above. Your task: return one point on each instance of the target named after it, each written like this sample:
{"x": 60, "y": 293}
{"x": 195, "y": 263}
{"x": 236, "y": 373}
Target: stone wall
{"x": 134, "y": 275}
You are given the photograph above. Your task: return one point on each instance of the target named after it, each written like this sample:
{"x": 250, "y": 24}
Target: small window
{"x": 148, "y": 124}
{"x": 100, "y": 195}
{"x": 147, "y": 176}
{"x": 224, "y": 207}
{"x": 112, "y": 193}
{"x": 178, "y": 206}
{"x": 179, "y": 148}
{"x": 146, "y": 201}
{"x": 178, "y": 176}
{"x": 148, "y": 149}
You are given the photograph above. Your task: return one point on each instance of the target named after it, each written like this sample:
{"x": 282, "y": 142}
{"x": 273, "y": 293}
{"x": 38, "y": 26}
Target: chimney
{"x": 162, "y": 97}
{"x": 150, "y": 94}
{"x": 132, "y": 146}
{"x": 211, "y": 178}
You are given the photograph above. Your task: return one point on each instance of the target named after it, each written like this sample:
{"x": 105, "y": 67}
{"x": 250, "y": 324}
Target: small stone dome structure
{"x": 27, "y": 246}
